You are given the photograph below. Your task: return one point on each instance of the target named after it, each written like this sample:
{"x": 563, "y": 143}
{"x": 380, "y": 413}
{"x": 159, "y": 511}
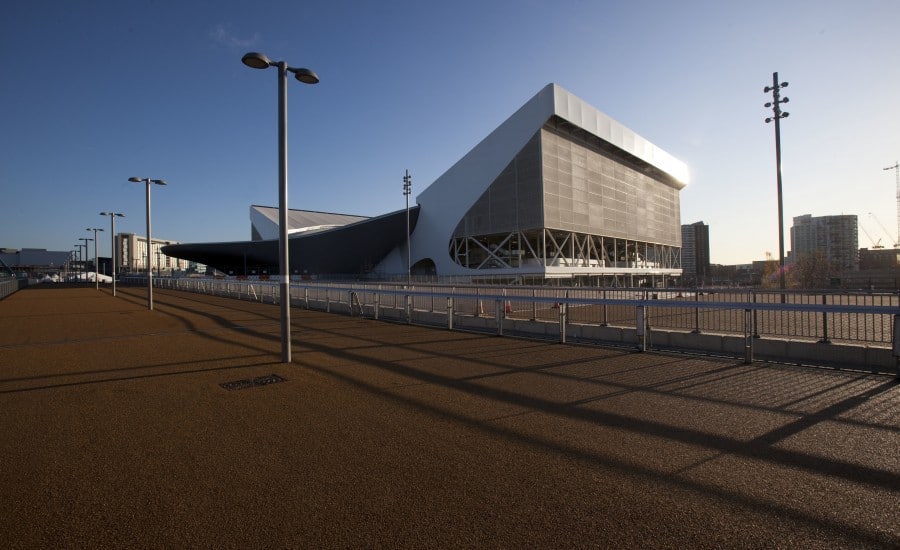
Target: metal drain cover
{"x": 253, "y": 382}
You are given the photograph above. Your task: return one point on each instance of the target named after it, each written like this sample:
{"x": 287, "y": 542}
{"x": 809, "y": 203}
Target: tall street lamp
{"x": 777, "y": 115}
{"x": 86, "y": 255}
{"x": 77, "y": 258}
{"x": 96, "y": 260}
{"x": 256, "y": 60}
{"x": 148, "y": 181}
{"x": 112, "y": 235}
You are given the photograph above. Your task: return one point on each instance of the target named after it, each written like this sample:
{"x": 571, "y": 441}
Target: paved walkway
{"x": 117, "y": 432}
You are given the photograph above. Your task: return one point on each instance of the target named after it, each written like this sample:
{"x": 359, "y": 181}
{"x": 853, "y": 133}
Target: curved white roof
{"x": 446, "y": 200}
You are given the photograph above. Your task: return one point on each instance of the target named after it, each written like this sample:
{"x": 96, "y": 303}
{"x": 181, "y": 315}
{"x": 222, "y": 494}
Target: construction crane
{"x": 875, "y": 244}
{"x": 896, "y": 169}
{"x": 883, "y": 228}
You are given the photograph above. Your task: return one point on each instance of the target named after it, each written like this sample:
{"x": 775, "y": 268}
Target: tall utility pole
{"x": 778, "y": 114}
{"x": 407, "y": 189}
{"x": 896, "y": 169}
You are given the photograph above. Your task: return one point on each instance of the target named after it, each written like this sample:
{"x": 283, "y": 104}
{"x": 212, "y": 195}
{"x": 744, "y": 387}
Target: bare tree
{"x": 812, "y": 270}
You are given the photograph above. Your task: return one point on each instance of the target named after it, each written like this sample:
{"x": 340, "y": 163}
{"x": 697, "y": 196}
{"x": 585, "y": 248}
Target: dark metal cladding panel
{"x": 352, "y": 249}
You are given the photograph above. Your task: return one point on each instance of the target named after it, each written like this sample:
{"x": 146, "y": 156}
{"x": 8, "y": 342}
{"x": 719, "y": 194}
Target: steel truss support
{"x": 545, "y": 248}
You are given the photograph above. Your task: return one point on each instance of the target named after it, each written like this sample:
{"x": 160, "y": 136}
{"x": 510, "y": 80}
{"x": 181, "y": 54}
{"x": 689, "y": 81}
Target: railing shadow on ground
{"x": 674, "y": 320}
{"x": 698, "y": 381}
{"x": 758, "y": 450}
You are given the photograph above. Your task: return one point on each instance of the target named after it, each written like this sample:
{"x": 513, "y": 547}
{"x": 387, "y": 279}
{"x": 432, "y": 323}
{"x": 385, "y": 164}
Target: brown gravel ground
{"x": 117, "y": 433}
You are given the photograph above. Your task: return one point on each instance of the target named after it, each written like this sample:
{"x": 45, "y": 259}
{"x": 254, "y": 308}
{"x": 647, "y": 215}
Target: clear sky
{"x": 97, "y": 91}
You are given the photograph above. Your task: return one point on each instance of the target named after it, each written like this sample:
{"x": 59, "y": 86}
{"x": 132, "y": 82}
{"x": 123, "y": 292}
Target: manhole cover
{"x": 253, "y": 382}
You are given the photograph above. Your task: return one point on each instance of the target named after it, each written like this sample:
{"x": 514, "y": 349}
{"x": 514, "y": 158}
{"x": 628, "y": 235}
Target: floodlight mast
{"x": 778, "y": 114}
{"x": 407, "y": 190}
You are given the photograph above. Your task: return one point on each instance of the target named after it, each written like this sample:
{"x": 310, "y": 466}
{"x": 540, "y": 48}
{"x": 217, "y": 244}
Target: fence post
{"x": 748, "y": 336}
{"x": 498, "y": 315}
{"x": 449, "y": 313}
{"x": 563, "y": 313}
{"x": 896, "y": 344}
{"x": 696, "y": 312}
{"x": 824, "y": 339}
{"x": 477, "y": 302}
{"x": 376, "y": 302}
{"x": 533, "y": 304}
{"x": 605, "y": 322}
{"x": 755, "y": 315}
{"x": 408, "y": 307}
{"x": 641, "y": 328}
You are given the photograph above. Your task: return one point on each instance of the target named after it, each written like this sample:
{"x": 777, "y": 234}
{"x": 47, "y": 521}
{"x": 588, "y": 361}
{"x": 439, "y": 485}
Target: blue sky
{"x": 97, "y": 91}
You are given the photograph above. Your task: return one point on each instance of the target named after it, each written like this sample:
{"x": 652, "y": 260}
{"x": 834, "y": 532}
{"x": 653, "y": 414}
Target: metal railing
{"x": 850, "y": 318}
{"x": 8, "y": 285}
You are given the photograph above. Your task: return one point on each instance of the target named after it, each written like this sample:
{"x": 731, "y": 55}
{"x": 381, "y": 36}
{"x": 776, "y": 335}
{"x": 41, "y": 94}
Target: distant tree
{"x": 770, "y": 277}
{"x": 812, "y": 270}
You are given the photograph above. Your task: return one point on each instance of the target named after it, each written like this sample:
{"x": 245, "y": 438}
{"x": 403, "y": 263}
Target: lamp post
{"x": 148, "y": 181}
{"x": 777, "y": 115}
{"x": 77, "y": 258}
{"x": 256, "y": 60}
{"x": 96, "y": 261}
{"x": 112, "y": 235}
{"x": 407, "y": 189}
{"x": 86, "y": 256}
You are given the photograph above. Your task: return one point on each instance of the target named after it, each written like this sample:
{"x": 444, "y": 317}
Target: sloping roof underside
{"x": 352, "y": 249}
{"x": 298, "y": 219}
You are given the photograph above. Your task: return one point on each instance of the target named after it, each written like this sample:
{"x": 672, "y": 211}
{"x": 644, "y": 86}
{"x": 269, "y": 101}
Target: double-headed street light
{"x": 86, "y": 256}
{"x": 112, "y": 235}
{"x": 777, "y": 115}
{"x": 148, "y": 181}
{"x": 77, "y": 257}
{"x": 256, "y": 60}
{"x": 96, "y": 258}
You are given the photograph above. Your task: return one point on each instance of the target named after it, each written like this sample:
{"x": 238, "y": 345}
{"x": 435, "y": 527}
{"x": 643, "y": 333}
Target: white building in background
{"x": 558, "y": 190}
{"x": 131, "y": 255}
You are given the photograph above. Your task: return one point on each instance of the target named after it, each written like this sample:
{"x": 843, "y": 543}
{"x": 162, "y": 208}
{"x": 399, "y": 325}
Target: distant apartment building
{"x": 131, "y": 253}
{"x": 695, "y": 252}
{"x": 835, "y": 237}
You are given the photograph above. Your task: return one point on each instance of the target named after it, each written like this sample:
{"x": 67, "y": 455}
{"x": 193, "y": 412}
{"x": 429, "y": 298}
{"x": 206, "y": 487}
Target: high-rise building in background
{"x": 836, "y": 238}
{"x": 695, "y": 252}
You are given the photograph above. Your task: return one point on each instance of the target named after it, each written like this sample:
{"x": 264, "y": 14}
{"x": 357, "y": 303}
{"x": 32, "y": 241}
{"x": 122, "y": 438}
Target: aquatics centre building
{"x": 558, "y": 190}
